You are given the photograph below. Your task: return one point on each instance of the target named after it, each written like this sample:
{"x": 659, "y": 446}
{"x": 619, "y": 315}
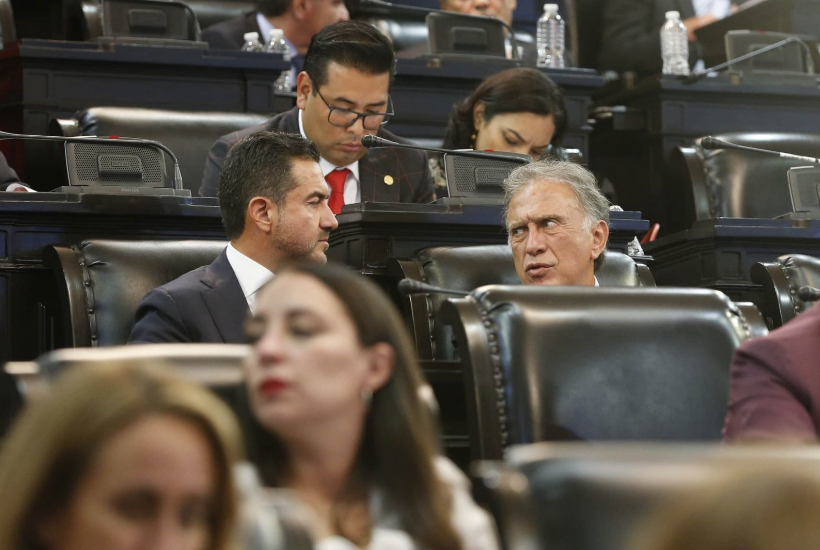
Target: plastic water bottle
{"x": 674, "y": 45}
{"x": 277, "y": 44}
{"x": 251, "y": 42}
{"x": 550, "y": 38}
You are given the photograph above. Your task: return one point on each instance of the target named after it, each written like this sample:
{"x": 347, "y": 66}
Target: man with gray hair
{"x": 557, "y": 223}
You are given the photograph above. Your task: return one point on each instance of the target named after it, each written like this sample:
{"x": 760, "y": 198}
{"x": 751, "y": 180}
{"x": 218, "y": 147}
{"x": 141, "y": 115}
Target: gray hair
{"x": 581, "y": 180}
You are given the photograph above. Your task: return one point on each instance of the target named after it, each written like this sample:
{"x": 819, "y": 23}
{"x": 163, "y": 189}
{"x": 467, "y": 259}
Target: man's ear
{"x": 304, "y": 87}
{"x": 600, "y": 236}
{"x": 478, "y": 114}
{"x": 299, "y": 9}
{"x": 382, "y": 358}
{"x": 263, "y": 214}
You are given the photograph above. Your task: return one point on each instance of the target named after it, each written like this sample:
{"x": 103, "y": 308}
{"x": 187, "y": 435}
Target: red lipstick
{"x": 272, "y": 387}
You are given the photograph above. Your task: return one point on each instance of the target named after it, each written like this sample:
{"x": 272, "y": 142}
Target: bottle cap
{"x": 551, "y": 8}
{"x": 672, "y": 15}
{"x": 276, "y": 34}
{"x": 249, "y": 36}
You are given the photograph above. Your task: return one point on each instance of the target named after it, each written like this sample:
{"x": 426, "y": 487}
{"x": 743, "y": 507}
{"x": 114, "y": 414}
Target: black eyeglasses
{"x": 345, "y": 118}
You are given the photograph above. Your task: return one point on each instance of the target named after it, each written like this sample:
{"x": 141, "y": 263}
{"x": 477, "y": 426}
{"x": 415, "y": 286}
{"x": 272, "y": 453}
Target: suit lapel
{"x": 225, "y": 300}
{"x": 371, "y": 179}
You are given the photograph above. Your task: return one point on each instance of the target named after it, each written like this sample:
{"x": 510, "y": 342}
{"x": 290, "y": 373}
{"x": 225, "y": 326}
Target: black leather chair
{"x": 780, "y": 280}
{"x": 189, "y": 135}
{"x": 101, "y": 282}
{"x": 469, "y": 267}
{"x": 211, "y": 12}
{"x": 576, "y": 496}
{"x": 605, "y": 364}
{"x": 740, "y": 184}
{"x": 585, "y": 22}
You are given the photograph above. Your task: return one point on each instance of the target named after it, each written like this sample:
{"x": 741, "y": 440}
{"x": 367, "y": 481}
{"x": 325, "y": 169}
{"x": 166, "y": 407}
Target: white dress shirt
{"x": 353, "y": 192}
{"x": 718, "y": 8}
{"x": 251, "y": 274}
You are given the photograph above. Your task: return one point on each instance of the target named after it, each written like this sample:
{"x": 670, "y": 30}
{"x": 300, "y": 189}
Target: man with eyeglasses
{"x": 341, "y": 95}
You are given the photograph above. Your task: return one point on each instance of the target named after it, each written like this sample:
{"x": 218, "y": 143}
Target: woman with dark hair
{"x": 334, "y": 386}
{"x": 519, "y": 110}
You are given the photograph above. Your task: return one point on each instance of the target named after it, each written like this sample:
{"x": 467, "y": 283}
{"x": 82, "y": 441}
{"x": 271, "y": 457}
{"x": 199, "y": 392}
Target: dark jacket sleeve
{"x": 7, "y": 174}
{"x": 158, "y": 320}
{"x": 766, "y": 400}
{"x": 213, "y": 167}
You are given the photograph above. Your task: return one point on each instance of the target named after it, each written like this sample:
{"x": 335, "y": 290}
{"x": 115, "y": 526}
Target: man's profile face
{"x": 348, "y": 89}
{"x": 502, "y": 9}
{"x": 305, "y": 220}
{"x": 550, "y": 244}
{"x": 321, "y": 13}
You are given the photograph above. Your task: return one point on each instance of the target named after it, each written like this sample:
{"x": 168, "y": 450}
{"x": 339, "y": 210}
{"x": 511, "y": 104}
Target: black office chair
{"x": 585, "y": 23}
{"x": 470, "y": 267}
{"x": 211, "y": 12}
{"x": 739, "y": 184}
{"x": 576, "y": 496}
{"x": 101, "y": 283}
{"x": 149, "y": 19}
{"x": 188, "y": 134}
{"x": 598, "y": 364}
{"x": 781, "y": 280}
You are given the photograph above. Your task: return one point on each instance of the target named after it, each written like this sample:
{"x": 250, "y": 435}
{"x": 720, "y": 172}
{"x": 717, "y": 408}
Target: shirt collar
{"x": 251, "y": 275}
{"x": 596, "y": 281}
{"x": 326, "y": 165}
{"x": 265, "y": 27}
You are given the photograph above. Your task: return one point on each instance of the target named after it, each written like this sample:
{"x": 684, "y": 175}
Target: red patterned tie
{"x": 336, "y": 181}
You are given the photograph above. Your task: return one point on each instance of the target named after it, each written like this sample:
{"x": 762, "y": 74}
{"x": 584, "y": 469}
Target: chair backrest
{"x": 575, "y": 496}
{"x": 585, "y": 21}
{"x": 101, "y": 282}
{"x": 211, "y": 12}
{"x": 741, "y": 184}
{"x": 606, "y": 364}
{"x": 781, "y": 280}
{"x": 189, "y": 135}
{"x": 469, "y": 267}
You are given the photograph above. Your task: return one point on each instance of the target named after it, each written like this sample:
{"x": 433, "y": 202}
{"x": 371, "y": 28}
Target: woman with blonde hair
{"x": 120, "y": 456}
{"x": 334, "y": 389}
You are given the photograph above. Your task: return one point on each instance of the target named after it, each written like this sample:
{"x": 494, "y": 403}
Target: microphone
{"x": 107, "y": 141}
{"x": 807, "y": 293}
{"x": 374, "y": 142}
{"x": 407, "y": 287}
{"x": 416, "y": 9}
{"x": 695, "y": 77}
{"x": 711, "y": 143}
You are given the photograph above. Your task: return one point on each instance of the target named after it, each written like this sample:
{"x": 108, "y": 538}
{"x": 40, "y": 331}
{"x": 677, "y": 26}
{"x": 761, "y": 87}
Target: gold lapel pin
{"x": 388, "y": 180}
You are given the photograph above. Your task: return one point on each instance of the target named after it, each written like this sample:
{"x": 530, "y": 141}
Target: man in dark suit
{"x": 273, "y": 200}
{"x": 298, "y": 19}
{"x": 342, "y": 95}
{"x": 631, "y": 31}
{"x": 775, "y": 384}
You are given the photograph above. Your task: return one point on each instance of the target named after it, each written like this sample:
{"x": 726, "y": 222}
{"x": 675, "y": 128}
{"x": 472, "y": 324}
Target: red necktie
{"x": 336, "y": 181}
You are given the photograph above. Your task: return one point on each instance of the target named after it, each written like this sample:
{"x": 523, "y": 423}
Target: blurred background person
{"x": 519, "y": 110}
{"x": 767, "y": 509}
{"x": 120, "y": 457}
{"x": 334, "y": 387}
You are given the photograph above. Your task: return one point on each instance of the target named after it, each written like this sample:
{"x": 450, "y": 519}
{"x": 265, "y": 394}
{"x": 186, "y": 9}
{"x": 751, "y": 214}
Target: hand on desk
{"x": 698, "y": 21}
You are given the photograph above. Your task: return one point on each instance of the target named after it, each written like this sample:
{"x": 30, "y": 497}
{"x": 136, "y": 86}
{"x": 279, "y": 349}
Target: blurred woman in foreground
{"x": 120, "y": 457}
{"x": 335, "y": 386}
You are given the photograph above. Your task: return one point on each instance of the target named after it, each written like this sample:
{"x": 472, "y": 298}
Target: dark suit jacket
{"x": 775, "y": 384}
{"x": 205, "y": 305}
{"x": 7, "y": 174}
{"x": 229, "y": 35}
{"x": 412, "y": 181}
{"x": 631, "y": 38}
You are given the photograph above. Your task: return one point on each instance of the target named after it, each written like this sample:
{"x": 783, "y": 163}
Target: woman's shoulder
{"x": 473, "y": 524}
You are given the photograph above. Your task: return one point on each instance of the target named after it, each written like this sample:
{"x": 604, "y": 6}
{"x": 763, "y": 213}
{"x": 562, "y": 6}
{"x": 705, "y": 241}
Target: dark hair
{"x": 352, "y": 44}
{"x": 399, "y": 445}
{"x": 272, "y": 8}
{"x": 259, "y": 165}
{"x": 518, "y": 90}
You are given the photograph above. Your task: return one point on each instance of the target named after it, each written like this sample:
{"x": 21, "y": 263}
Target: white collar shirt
{"x": 352, "y": 191}
{"x": 251, "y": 275}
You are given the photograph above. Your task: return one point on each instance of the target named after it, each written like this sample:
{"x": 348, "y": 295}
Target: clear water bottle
{"x": 674, "y": 45}
{"x": 550, "y": 38}
{"x": 251, "y": 42}
{"x": 277, "y": 44}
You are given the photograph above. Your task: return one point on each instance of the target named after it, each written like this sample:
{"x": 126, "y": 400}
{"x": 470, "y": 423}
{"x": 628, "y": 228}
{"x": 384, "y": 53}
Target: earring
{"x": 472, "y": 140}
{"x": 367, "y": 396}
